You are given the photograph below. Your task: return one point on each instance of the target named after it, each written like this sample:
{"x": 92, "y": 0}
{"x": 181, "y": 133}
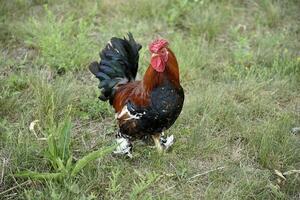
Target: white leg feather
{"x": 169, "y": 141}
{"x": 124, "y": 147}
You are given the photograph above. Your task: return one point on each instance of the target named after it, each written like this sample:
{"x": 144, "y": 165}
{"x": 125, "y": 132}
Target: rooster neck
{"x": 153, "y": 79}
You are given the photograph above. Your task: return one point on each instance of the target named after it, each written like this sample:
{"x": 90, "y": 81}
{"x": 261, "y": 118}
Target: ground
{"x": 240, "y": 69}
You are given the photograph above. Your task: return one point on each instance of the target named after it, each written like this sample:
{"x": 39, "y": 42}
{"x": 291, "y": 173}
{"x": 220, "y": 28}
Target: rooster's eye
{"x": 162, "y": 51}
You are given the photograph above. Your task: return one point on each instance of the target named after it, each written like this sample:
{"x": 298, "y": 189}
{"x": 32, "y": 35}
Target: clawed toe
{"x": 163, "y": 143}
{"x": 124, "y": 147}
{"x": 167, "y": 142}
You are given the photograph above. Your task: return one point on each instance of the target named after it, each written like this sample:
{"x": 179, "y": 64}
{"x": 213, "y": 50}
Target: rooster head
{"x": 159, "y": 54}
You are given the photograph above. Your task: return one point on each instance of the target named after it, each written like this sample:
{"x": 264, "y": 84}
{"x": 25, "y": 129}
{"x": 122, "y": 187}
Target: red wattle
{"x": 158, "y": 63}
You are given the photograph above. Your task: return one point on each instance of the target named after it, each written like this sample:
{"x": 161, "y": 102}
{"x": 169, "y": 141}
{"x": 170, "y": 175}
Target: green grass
{"x": 240, "y": 68}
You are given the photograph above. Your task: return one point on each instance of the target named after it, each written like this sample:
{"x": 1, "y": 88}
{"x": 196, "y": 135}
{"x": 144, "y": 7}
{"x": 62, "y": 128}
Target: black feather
{"x": 107, "y": 70}
{"x": 102, "y": 76}
{"x": 119, "y": 62}
{"x": 166, "y": 105}
{"x": 94, "y": 67}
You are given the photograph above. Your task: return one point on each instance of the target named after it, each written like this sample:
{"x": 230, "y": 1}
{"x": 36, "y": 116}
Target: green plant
{"x": 62, "y": 43}
{"x": 59, "y": 155}
{"x": 114, "y": 185}
{"x": 271, "y": 12}
{"x": 143, "y": 184}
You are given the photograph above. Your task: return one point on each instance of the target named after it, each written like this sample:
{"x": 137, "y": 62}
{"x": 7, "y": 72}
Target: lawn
{"x": 239, "y": 66}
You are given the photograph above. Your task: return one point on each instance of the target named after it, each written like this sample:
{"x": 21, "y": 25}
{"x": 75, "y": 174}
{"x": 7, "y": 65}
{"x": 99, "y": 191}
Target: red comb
{"x": 158, "y": 44}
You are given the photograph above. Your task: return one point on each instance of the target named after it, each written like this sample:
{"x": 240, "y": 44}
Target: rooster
{"x": 144, "y": 107}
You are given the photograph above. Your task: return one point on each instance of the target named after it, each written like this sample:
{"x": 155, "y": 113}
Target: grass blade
{"x": 81, "y": 163}
{"x": 52, "y": 149}
{"x": 37, "y": 175}
{"x": 64, "y": 140}
{"x": 143, "y": 185}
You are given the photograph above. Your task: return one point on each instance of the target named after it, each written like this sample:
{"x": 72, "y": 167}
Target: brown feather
{"x": 138, "y": 92}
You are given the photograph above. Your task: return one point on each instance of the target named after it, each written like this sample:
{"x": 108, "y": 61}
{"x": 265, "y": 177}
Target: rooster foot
{"x": 162, "y": 144}
{"x": 167, "y": 142}
{"x": 124, "y": 147}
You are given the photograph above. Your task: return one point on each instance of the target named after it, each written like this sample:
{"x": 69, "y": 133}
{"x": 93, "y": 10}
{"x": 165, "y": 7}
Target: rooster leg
{"x": 167, "y": 142}
{"x": 125, "y": 146}
{"x": 156, "y": 139}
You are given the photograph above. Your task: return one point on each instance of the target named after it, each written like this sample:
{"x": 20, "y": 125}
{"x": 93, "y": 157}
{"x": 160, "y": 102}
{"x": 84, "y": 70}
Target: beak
{"x": 154, "y": 55}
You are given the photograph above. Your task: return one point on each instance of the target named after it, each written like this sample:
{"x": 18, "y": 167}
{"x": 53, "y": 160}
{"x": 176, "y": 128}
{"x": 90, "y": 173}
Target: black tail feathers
{"x": 118, "y": 65}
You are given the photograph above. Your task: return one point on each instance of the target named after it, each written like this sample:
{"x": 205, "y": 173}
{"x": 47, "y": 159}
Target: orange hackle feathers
{"x": 139, "y": 92}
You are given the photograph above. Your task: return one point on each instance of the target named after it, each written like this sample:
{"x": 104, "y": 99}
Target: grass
{"x": 240, "y": 68}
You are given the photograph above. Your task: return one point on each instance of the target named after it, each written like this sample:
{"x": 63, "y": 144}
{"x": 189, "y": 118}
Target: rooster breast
{"x": 166, "y": 103}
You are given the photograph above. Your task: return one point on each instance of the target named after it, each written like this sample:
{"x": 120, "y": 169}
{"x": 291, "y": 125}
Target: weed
{"x": 62, "y": 43}
{"x": 58, "y": 153}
